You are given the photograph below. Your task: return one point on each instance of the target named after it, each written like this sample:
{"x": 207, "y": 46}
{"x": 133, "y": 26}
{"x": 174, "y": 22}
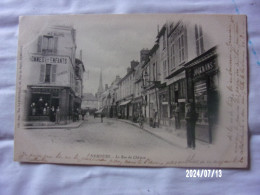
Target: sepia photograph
{"x": 148, "y": 90}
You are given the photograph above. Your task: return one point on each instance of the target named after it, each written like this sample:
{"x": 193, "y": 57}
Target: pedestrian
{"x": 101, "y": 117}
{"x": 119, "y": 115}
{"x": 44, "y": 111}
{"x": 155, "y": 119}
{"x": 52, "y": 114}
{"x": 77, "y": 114}
{"x": 58, "y": 115}
{"x": 191, "y": 118}
{"x": 48, "y": 111}
{"x": 141, "y": 120}
{"x": 177, "y": 116}
{"x": 33, "y": 107}
{"x": 83, "y": 114}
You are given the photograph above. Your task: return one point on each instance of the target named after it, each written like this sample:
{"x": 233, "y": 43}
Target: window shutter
{"x": 42, "y": 73}
{"x": 39, "y": 45}
{"x": 196, "y": 32}
{"x": 53, "y": 75}
{"x": 55, "y": 44}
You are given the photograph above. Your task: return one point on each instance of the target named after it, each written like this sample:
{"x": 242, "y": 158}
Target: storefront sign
{"x": 45, "y": 90}
{"x": 204, "y": 68}
{"x": 49, "y": 59}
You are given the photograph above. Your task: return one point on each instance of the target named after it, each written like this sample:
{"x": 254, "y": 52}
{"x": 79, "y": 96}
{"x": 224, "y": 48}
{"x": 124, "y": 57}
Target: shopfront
{"x": 41, "y": 101}
{"x": 203, "y": 82}
{"x": 177, "y": 90}
{"x": 137, "y": 108}
{"x": 124, "y": 109}
{"x": 164, "y": 106}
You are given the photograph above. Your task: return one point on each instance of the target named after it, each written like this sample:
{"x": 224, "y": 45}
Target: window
{"x": 164, "y": 41}
{"x": 47, "y": 44}
{"x": 181, "y": 48}
{"x": 199, "y": 40}
{"x": 48, "y": 73}
{"x": 154, "y": 72}
{"x": 164, "y": 69}
{"x": 172, "y": 57}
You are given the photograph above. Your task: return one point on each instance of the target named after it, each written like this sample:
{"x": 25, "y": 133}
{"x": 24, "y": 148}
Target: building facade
{"x": 55, "y": 75}
{"x": 125, "y": 93}
{"x": 89, "y": 102}
{"x": 180, "y": 69}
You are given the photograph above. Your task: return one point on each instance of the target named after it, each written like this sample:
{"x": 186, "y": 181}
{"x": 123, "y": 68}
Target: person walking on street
{"x": 191, "y": 118}
{"x": 83, "y": 113}
{"x": 141, "y": 120}
{"x": 101, "y": 117}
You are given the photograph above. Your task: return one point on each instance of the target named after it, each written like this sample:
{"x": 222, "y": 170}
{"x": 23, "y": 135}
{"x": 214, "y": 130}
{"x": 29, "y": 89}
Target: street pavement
{"x": 111, "y": 135}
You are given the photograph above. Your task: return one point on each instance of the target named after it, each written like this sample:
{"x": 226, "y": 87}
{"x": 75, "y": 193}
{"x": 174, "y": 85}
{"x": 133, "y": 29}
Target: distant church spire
{"x": 100, "y": 88}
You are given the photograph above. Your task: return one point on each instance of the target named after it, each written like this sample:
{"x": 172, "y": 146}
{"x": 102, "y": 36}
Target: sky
{"x": 108, "y": 42}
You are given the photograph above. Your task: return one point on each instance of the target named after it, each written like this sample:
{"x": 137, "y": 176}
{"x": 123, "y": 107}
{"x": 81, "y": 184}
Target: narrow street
{"x": 111, "y": 135}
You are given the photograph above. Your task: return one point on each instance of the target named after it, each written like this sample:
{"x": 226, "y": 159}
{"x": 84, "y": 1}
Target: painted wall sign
{"x": 49, "y": 59}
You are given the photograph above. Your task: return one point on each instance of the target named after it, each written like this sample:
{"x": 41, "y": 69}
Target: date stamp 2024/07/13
{"x": 206, "y": 173}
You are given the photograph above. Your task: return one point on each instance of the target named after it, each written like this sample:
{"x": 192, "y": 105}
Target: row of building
{"x": 180, "y": 68}
{"x": 53, "y": 76}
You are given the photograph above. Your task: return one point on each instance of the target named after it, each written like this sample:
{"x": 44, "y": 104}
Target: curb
{"x": 152, "y": 133}
{"x": 56, "y": 127}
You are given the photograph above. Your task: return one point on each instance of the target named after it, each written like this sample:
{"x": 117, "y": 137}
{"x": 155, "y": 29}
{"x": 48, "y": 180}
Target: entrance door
{"x": 55, "y": 102}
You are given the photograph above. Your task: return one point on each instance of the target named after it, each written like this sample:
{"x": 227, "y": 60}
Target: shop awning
{"x": 99, "y": 111}
{"x": 125, "y": 102}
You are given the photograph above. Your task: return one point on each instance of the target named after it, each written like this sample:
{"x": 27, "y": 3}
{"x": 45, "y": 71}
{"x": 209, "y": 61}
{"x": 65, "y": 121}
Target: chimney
{"x": 80, "y": 55}
{"x": 144, "y": 53}
{"x": 106, "y": 87}
{"x": 128, "y": 70}
{"x": 134, "y": 64}
{"x": 117, "y": 78}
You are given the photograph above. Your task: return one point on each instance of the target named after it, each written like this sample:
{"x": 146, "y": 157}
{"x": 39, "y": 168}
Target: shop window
{"x": 182, "y": 89}
{"x": 40, "y": 105}
{"x": 199, "y": 40}
{"x": 201, "y": 104}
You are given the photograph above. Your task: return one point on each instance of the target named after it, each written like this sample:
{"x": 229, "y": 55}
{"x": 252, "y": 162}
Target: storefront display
{"x": 202, "y": 77}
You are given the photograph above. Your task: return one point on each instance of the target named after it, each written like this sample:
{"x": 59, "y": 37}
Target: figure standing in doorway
{"x": 52, "y": 114}
{"x": 33, "y": 107}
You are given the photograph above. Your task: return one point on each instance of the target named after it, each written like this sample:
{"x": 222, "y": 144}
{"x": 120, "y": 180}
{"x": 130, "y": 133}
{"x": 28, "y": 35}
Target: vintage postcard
{"x": 146, "y": 90}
